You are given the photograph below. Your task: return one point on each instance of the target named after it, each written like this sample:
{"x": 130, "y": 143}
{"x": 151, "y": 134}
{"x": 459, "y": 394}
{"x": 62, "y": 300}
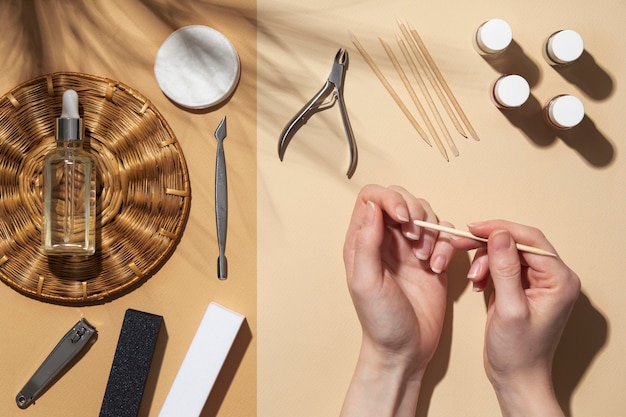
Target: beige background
{"x": 571, "y": 187}
{"x": 285, "y": 249}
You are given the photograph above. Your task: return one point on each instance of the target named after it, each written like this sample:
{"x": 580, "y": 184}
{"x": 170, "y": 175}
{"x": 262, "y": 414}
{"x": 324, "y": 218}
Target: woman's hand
{"x": 527, "y": 312}
{"x": 397, "y": 281}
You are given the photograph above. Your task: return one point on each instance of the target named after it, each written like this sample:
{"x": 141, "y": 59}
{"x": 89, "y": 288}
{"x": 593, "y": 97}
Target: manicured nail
{"x": 501, "y": 240}
{"x": 438, "y": 264}
{"x": 423, "y": 253}
{"x": 474, "y": 270}
{"x": 402, "y": 214}
{"x": 371, "y": 212}
{"x": 420, "y": 256}
{"x": 412, "y": 236}
{"x": 476, "y": 287}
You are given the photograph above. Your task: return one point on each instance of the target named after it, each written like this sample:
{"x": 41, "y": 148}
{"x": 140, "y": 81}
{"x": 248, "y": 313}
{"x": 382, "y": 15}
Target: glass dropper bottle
{"x": 69, "y": 192}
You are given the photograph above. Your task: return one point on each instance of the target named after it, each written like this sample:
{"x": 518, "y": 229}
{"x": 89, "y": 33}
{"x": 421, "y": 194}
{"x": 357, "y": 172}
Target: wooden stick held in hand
{"x": 463, "y": 233}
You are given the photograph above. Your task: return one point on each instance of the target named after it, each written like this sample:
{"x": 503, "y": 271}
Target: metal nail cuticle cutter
{"x": 68, "y": 348}
{"x": 321, "y": 101}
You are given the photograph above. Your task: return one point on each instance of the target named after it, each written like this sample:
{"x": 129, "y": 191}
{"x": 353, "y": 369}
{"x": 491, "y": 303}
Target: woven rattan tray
{"x": 143, "y": 192}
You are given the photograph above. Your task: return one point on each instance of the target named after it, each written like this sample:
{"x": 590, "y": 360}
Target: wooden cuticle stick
{"x": 426, "y": 93}
{"x": 368, "y": 59}
{"x": 433, "y": 82}
{"x": 414, "y": 97}
{"x": 431, "y": 62}
{"x": 463, "y": 233}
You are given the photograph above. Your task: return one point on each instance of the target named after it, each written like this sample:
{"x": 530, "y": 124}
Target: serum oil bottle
{"x": 69, "y": 188}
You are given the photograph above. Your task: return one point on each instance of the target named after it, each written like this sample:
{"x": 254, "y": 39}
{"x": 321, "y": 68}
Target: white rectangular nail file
{"x": 203, "y": 362}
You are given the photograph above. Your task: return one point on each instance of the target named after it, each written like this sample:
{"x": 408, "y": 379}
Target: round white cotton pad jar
{"x": 197, "y": 67}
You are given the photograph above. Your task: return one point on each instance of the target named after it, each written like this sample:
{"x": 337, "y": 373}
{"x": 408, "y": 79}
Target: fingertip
{"x": 402, "y": 213}
{"x": 367, "y": 234}
{"x": 474, "y": 272}
{"x": 424, "y": 249}
{"x": 370, "y": 215}
{"x": 500, "y": 241}
{"x": 442, "y": 253}
{"x": 479, "y": 286}
{"x": 438, "y": 264}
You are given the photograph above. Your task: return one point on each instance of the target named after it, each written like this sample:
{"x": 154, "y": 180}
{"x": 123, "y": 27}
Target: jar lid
{"x": 197, "y": 67}
{"x": 511, "y": 90}
{"x": 566, "y": 111}
{"x": 494, "y": 35}
{"x": 565, "y": 46}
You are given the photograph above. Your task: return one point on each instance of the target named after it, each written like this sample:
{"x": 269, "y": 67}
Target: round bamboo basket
{"x": 143, "y": 191}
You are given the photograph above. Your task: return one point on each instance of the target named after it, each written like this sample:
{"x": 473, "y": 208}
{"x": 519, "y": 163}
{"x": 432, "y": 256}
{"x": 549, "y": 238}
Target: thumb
{"x": 506, "y": 271}
{"x": 367, "y": 267}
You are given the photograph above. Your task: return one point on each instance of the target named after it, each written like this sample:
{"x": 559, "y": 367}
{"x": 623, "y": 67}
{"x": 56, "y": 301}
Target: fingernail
{"x": 476, "y": 287}
{"x": 402, "y": 213}
{"x": 438, "y": 264}
{"x": 412, "y": 236}
{"x": 371, "y": 212}
{"x": 501, "y": 240}
{"x": 421, "y": 256}
{"x": 423, "y": 253}
{"x": 474, "y": 270}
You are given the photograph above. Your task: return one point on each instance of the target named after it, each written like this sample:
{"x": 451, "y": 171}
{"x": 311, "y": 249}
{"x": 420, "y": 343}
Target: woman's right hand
{"x": 527, "y": 312}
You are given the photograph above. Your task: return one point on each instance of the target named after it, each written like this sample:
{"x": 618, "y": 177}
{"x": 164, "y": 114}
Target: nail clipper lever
{"x": 68, "y": 348}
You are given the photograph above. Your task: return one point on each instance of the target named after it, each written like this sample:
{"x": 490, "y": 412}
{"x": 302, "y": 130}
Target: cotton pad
{"x": 197, "y": 67}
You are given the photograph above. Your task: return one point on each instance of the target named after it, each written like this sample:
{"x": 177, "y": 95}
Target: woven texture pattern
{"x": 143, "y": 191}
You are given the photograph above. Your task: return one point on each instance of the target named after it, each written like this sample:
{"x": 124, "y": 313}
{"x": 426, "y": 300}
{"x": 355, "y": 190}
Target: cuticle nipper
{"x": 321, "y": 101}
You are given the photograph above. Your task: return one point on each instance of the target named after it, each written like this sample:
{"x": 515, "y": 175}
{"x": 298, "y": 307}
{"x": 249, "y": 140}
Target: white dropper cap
{"x": 70, "y": 105}
{"x": 566, "y": 111}
{"x": 69, "y": 124}
{"x": 494, "y": 36}
{"x": 511, "y": 91}
{"x": 565, "y": 46}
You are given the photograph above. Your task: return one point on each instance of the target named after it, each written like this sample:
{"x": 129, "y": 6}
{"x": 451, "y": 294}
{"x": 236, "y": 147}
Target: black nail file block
{"x": 131, "y": 364}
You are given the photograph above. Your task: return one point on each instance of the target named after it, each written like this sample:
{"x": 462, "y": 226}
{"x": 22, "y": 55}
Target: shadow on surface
{"x": 586, "y": 139}
{"x": 529, "y": 120}
{"x": 588, "y": 76}
{"x": 228, "y": 372}
{"x": 515, "y": 61}
{"x": 590, "y": 143}
{"x": 582, "y": 340}
{"x": 438, "y": 366}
